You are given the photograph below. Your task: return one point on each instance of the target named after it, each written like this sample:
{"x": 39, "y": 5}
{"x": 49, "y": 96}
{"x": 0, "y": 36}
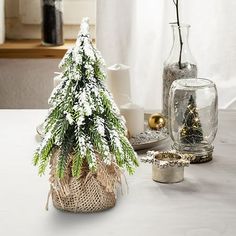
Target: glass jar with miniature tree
{"x": 193, "y": 119}
{"x": 180, "y": 63}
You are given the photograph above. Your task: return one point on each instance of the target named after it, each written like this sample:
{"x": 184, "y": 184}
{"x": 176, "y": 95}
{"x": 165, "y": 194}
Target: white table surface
{"x": 204, "y": 204}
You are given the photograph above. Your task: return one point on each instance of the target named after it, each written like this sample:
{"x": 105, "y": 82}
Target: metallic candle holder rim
{"x": 167, "y": 166}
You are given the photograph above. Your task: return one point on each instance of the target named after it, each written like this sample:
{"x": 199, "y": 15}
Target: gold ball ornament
{"x": 157, "y": 121}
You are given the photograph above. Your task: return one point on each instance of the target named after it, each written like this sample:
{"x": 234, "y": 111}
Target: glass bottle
{"x": 52, "y": 22}
{"x": 179, "y": 64}
{"x": 193, "y": 120}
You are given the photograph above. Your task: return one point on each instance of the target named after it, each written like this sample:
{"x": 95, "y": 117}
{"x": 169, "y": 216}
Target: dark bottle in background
{"x": 52, "y": 22}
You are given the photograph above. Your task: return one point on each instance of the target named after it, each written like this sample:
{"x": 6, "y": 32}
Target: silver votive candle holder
{"x": 167, "y": 166}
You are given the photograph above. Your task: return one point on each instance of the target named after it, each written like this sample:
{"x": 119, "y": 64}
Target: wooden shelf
{"x": 32, "y": 49}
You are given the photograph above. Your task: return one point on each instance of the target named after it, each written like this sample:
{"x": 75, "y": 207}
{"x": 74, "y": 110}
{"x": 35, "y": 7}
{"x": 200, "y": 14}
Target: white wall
{"x": 26, "y": 83}
{"x": 24, "y": 23}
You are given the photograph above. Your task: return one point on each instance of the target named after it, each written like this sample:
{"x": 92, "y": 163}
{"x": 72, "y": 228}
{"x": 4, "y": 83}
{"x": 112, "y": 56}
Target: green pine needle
{"x": 76, "y": 165}
{"x": 36, "y": 158}
{"x": 61, "y": 165}
{"x": 43, "y": 165}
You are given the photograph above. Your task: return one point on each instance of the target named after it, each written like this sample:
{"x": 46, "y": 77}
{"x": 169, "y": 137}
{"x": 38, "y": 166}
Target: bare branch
{"x": 180, "y": 36}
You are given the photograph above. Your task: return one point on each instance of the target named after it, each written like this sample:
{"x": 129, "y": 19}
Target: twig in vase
{"x": 176, "y": 2}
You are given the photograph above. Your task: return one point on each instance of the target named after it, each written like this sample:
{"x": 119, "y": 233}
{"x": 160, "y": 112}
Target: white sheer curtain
{"x": 137, "y": 33}
{"x": 2, "y": 22}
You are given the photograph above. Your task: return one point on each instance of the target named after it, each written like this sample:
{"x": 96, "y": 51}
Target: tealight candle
{"x": 134, "y": 116}
{"x": 167, "y": 166}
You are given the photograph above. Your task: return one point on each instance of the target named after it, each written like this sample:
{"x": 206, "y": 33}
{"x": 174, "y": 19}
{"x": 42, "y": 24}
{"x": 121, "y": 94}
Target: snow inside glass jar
{"x": 52, "y": 23}
{"x": 193, "y": 119}
{"x": 180, "y": 63}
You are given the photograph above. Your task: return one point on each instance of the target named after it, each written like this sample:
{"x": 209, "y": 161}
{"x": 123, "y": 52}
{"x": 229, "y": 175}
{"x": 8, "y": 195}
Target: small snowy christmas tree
{"x": 84, "y": 126}
{"x": 191, "y": 132}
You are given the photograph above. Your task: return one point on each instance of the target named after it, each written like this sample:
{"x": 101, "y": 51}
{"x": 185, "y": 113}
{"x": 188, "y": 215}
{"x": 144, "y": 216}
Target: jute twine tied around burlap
{"x": 91, "y": 192}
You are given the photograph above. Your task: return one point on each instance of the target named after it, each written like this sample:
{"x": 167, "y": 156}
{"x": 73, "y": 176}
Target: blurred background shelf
{"x": 32, "y": 48}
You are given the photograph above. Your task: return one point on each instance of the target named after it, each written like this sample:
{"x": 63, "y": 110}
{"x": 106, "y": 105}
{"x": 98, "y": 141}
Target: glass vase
{"x": 193, "y": 120}
{"x": 179, "y": 64}
{"x": 52, "y": 22}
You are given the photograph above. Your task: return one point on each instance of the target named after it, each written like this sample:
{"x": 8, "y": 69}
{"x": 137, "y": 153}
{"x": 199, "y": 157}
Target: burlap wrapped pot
{"x": 91, "y": 192}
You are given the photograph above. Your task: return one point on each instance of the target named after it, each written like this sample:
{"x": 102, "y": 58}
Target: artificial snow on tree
{"x": 191, "y": 132}
{"x": 85, "y": 137}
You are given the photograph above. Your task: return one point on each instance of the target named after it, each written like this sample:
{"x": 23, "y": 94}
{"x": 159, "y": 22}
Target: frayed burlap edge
{"x": 91, "y": 192}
